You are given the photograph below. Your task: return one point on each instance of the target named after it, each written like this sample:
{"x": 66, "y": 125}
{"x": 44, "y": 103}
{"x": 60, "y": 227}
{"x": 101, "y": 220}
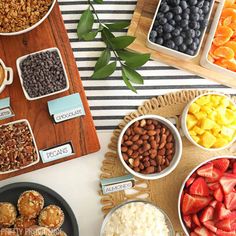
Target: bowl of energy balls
{"x": 29, "y": 209}
{"x": 19, "y": 17}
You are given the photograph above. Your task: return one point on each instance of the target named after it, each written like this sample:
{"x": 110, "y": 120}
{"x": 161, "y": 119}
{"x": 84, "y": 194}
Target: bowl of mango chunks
{"x": 209, "y": 121}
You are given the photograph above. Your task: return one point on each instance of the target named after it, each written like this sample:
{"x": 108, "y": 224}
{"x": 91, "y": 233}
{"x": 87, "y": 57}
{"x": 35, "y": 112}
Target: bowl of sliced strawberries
{"x": 207, "y": 199}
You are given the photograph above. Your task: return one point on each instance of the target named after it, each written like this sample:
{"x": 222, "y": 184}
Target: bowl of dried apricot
{"x": 18, "y": 17}
{"x": 209, "y": 121}
{"x": 220, "y": 50}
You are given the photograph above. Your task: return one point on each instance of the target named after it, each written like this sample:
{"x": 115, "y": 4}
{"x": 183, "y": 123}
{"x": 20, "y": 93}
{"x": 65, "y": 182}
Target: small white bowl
{"x": 182, "y": 188}
{"x": 185, "y": 128}
{"x": 8, "y": 76}
{"x": 33, "y": 26}
{"x": 176, "y": 157}
{"x": 108, "y": 216}
{"x": 34, "y": 142}
{"x": 169, "y": 51}
{"x": 204, "y": 58}
{"x": 20, "y": 59}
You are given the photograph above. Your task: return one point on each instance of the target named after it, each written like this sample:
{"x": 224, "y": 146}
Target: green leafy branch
{"x": 105, "y": 67}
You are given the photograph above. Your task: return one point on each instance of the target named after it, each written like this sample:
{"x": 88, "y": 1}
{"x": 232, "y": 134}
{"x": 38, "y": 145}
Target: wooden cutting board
{"x": 139, "y": 27}
{"x": 80, "y": 131}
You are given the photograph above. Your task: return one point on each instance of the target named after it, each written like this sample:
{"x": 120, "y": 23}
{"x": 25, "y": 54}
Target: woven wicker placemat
{"x": 163, "y": 192}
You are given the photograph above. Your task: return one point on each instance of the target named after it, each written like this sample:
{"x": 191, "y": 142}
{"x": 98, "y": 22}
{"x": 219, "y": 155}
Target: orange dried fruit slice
{"x": 210, "y": 58}
{"x": 232, "y": 45}
{"x": 222, "y": 35}
{"x": 229, "y": 12}
{"x": 227, "y": 21}
{"x": 224, "y": 52}
{"x": 230, "y": 64}
{"x": 220, "y": 63}
{"x": 229, "y": 3}
{"x": 211, "y": 52}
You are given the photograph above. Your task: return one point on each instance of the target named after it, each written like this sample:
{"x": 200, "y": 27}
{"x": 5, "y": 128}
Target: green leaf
{"x": 119, "y": 25}
{"x": 127, "y": 82}
{"x": 103, "y": 59}
{"x": 98, "y": 1}
{"x": 90, "y": 36}
{"x": 85, "y": 24}
{"x": 107, "y": 36}
{"x": 133, "y": 60}
{"x": 132, "y": 75}
{"x": 105, "y": 71}
{"x": 121, "y": 42}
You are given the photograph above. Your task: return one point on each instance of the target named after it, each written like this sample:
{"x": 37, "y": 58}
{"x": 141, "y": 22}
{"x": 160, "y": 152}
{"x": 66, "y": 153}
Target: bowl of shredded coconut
{"x": 137, "y": 218}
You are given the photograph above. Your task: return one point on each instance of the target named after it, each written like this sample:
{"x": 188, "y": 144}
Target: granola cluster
{"x": 16, "y": 15}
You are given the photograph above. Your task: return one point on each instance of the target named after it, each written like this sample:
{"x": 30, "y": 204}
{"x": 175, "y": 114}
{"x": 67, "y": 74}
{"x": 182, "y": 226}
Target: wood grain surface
{"x": 140, "y": 25}
{"x": 80, "y": 131}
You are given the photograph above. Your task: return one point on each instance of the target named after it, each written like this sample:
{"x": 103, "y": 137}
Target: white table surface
{"x": 77, "y": 182}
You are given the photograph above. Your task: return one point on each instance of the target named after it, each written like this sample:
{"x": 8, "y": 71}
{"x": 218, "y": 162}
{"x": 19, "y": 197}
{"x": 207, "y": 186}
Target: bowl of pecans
{"x": 19, "y": 17}
{"x": 150, "y": 147}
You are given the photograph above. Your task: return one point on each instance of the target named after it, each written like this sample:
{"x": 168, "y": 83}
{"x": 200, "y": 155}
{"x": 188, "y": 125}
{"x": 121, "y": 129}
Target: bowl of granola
{"x": 19, "y": 17}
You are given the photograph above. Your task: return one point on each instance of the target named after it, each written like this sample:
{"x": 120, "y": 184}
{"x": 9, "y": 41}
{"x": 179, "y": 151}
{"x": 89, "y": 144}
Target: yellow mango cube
{"x": 220, "y": 142}
{"x": 192, "y": 133}
{"x": 200, "y": 115}
{"x": 227, "y": 132}
{"x": 215, "y": 99}
{"x": 207, "y": 124}
{"x": 203, "y": 100}
{"x": 194, "y": 108}
{"x": 207, "y": 109}
{"x": 225, "y": 102}
{"x": 191, "y": 121}
{"x": 207, "y": 140}
{"x": 212, "y": 115}
{"x": 198, "y": 130}
{"x": 195, "y": 138}
{"x": 230, "y": 115}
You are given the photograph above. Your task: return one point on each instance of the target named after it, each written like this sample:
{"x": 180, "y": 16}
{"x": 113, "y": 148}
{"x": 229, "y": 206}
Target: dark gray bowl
{"x": 10, "y": 193}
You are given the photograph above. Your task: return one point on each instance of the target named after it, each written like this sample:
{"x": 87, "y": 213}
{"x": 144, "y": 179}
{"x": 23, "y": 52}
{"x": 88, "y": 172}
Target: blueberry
{"x": 178, "y": 40}
{"x": 176, "y": 48}
{"x": 200, "y": 11}
{"x": 188, "y": 41}
{"x": 176, "y": 32}
{"x": 194, "y": 46}
{"x": 159, "y": 30}
{"x": 173, "y": 2}
{"x": 162, "y": 21}
{"x": 187, "y": 11}
{"x": 183, "y": 34}
{"x": 206, "y": 9}
{"x": 190, "y": 52}
{"x": 167, "y": 36}
{"x": 183, "y": 23}
{"x": 153, "y": 35}
{"x": 195, "y": 17}
{"x": 172, "y": 22}
{"x": 168, "y": 28}
{"x": 164, "y": 8}
{"x": 178, "y": 18}
{"x": 159, "y": 40}
{"x": 198, "y": 26}
{"x": 159, "y": 15}
{"x": 177, "y": 10}
{"x": 193, "y": 25}
{"x": 196, "y": 40}
{"x": 200, "y": 4}
{"x": 198, "y": 33}
{"x": 185, "y": 16}
{"x": 204, "y": 24}
{"x": 169, "y": 15}
{"x": 170, "y": 44}
{"x": 182, "y": 47}
{"x": 183, "y": 4}
{"x": 194, "y": 9}
{"x": 192, "y": 2}
{"x": 191, "y": 33}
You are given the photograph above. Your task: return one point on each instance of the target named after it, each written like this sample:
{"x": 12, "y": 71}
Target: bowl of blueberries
{"x": 179, "y": 26}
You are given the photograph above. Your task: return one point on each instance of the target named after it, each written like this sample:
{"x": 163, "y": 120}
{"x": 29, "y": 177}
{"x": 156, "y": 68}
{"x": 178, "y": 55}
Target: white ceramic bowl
{"x": 185, "y": 128}
{"x": 33, "y": 26}
{"x": 204, "y": 58}
{"x": 169, "y": 51}
{"x": 182, "y": 188}
{"x": 8, "y": 76}
{"x": 177, "y": 155}
{"x": 108, "y": 216}
{"x": 20, "y": 59}
{"x": 34, "y": 142}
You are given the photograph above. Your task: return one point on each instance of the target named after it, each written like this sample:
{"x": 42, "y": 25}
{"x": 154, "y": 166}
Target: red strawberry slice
{"x": 224, "y": 225}
{"x": 210, "y": 225}
{"x": 206, "y": 170}
{"x": 189, "y": 181}
{"x": 207, "y": 214}
{"x": 230, "y": 201}
{"x": 196, "y": 220}
{"x": 234, "y": 168}
{"x": 233, "y": 226}
{"x": 219, "y": 194}
{"x": 202, "y": 231}
{"x": 232, "y": 216}
{"x": 221, "y": 212}
{"x": 213, "y": 203}
{"x": 193, "y": 204}
{"x": 213, "y": 186}
{"x": 224, "y": 233}
{"x": 216, "y": 175}
{"x": 193, "y": 234}
{"x": 199, "y": 187}
{"x": 221, "y": 164}
{"x": 188, "y": 221}
{"x": 228, "y": 182}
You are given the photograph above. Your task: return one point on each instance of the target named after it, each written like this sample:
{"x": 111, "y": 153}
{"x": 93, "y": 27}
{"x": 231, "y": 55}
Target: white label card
{"x": 6, "y": 113}
{"x": 117, "y": 187}
{"x": 56, "y": 153}
{"x": 67, "y": 115}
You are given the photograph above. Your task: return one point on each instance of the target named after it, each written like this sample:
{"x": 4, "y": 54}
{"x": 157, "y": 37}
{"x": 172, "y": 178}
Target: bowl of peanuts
{"x": 150, "y": 147}
{"x": 19, "y": 17}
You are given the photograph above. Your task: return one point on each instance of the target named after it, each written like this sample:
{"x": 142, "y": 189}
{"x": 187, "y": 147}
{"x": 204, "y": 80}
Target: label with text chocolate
{"x": 57, "y": 152}
{"x": 67, "y": 115}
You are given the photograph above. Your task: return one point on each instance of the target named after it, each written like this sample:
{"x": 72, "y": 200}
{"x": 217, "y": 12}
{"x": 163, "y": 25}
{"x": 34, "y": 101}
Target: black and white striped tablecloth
{"x": 109, "y": 99}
